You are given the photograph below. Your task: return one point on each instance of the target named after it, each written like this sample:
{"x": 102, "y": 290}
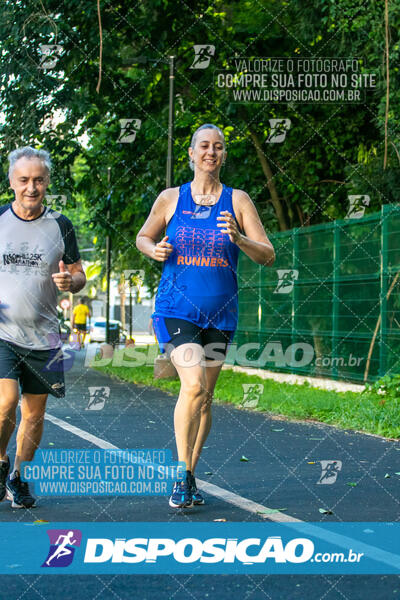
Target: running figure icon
{"x": 62, "y": 549}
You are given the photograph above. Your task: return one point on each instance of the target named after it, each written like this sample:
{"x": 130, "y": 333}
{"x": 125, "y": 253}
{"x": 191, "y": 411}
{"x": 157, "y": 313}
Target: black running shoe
{"x": 196, "y": 495}
{"x": 181, "y": 496}
{"x": 4, "y": 469}
{"x": 18, "y": 492}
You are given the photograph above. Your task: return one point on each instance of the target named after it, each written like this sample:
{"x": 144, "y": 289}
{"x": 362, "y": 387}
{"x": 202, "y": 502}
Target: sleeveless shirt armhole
{"x": 176, "y": 207}
{"x": 234, "y": 214}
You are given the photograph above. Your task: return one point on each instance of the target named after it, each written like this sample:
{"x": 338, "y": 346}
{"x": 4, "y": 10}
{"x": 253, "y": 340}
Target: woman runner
{"x": 206, "y": 224}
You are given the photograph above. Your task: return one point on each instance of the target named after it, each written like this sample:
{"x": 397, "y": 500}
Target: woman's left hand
{"x": 230, "y": 226}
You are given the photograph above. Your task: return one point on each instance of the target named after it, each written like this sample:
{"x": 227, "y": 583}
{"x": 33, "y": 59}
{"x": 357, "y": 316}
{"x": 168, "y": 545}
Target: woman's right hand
{"x": 162, "y": 250}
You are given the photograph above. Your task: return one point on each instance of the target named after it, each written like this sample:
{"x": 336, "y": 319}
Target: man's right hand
{"x": 162, "y": 250}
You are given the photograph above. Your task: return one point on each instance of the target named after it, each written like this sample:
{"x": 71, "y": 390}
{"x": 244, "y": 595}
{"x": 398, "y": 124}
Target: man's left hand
{"x": 62, "y": 279}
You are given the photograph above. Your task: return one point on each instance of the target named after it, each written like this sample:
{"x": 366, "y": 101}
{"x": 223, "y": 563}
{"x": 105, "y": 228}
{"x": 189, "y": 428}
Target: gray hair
{"x": 194, "y": 138}
{"x": 30, "y": 153}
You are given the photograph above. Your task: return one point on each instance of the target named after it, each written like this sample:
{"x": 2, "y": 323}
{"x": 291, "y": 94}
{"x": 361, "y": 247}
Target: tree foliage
{"x": 330, "y": 151}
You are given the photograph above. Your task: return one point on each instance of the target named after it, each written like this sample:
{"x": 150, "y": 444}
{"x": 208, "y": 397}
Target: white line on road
{"x": 81, "y": 433}
{"x": 244, "y": 503}
{"x": 210, "y": 488}
{"x": 269, "y": 513}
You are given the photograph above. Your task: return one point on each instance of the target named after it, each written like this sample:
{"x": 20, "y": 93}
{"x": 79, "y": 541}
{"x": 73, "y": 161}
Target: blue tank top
{"x": 198, "y": 282}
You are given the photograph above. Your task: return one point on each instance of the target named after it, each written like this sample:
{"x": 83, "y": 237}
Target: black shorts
{"x": 171, "y": 333}
{"x": 38, "y": 371}
{"x": 80, "y": 327}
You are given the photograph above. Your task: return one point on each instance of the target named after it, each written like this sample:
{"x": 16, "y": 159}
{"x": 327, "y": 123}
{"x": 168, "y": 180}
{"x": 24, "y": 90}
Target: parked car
{"x": 97, "y": 331}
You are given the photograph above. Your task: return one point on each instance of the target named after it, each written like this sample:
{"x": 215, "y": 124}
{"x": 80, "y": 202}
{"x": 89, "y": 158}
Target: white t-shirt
{"x": 29, "y": 254}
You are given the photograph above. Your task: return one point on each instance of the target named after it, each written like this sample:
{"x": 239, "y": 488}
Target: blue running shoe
{"x": 18, "y": 492}
{"x": 181, "y": 496}
{"x": 196, "y": 495}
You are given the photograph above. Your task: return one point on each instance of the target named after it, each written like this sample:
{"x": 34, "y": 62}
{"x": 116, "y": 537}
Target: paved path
{"x": 281, "y": 473}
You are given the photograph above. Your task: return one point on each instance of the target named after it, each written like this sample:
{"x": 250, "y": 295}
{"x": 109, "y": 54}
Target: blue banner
{"x": 200, "y": 548}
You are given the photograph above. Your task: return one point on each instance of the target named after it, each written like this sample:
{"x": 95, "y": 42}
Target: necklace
{"x": 205, "y": 199}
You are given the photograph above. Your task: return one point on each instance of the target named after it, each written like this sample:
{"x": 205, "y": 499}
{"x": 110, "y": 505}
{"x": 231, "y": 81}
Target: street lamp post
{"x": 170, "y": 155}
{"x": 130, "y": 306}
{"x": 170, "y": 149}
{"x": 108, "y": 259}
{"x": 171, "y": 112}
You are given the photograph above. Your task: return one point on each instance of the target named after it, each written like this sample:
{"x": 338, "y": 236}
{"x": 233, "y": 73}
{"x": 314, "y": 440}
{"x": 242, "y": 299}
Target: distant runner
{"x": 81, "y": 314}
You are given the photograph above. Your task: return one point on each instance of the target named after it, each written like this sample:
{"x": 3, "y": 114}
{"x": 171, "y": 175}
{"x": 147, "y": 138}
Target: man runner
{"x": 38, "y": 255}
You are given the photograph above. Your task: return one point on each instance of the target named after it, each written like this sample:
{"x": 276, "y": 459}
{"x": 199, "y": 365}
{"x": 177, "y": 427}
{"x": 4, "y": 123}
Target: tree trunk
{"x": 275, "y": 200}
{"x": 122, "y": 295}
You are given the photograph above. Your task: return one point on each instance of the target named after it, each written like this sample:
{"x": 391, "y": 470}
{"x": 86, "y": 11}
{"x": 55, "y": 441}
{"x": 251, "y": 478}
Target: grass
{"x": 366, "y": 412}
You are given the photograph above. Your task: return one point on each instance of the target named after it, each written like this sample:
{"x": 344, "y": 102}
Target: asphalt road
{"x": 282, "y": 472}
